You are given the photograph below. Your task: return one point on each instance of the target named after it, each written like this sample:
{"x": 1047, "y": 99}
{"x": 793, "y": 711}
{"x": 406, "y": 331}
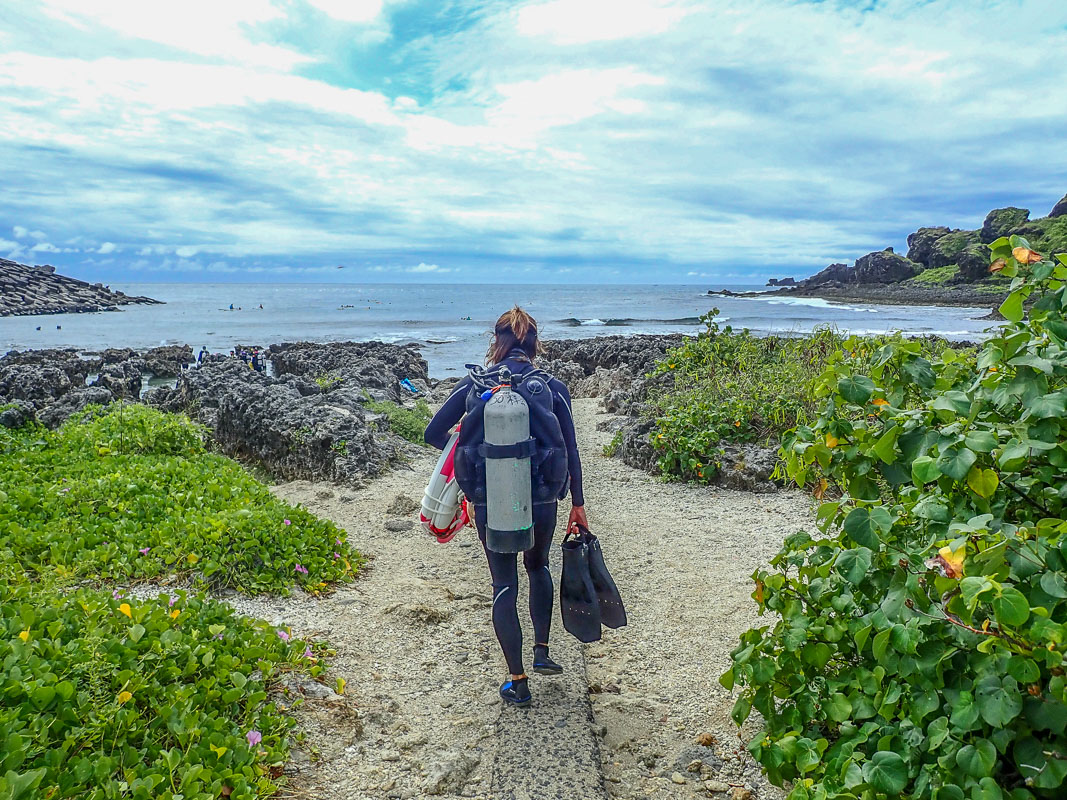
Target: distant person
{"x": 260, "y": 306}
{"x": 515, "y": 346}
{"x": 200, "y": 356}
{"x": 255, "y": 360}
{"x": 231, "y": 306}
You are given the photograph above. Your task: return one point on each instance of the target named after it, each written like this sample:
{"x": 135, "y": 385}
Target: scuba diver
{"x": 510, "y": 362}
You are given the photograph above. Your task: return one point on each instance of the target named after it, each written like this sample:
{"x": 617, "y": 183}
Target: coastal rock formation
{"x": 596, "y": 367}
{"x": 39, "y": 290}
{"x": 884, "y": 267}
{"x": 782, "y": 282}
{"x": 921, "y": 243}
{"x": 835, "y": 273}
{"x": 1060, "y": 209}
{"x": 72, "y": 402}
{"x": 310, "y": 422}
{"x": 372, "y": 366}
{"x": 1002, "y": 222}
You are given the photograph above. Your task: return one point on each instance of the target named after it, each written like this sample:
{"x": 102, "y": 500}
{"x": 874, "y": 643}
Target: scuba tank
{"x": 507, "y": 448}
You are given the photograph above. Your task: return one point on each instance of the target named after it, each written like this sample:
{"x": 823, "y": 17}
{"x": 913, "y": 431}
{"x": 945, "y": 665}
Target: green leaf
{"x": 920, "y": 371}
{"x": 862, "y": 525}
{"x": 885, "y": 447}
{"x": 838, "y": 708}
{"x": 999, "y": 700}
{"x": 136, "y": 632}
{"x": 1054, "y": 584}
{"x": 856, "y": 389}
{"x": 1050, "y": 405}
{"x": 983, "y": 482}
{"x": 981, "y": 441}
{"x": 1012, "y": 307}
{"x": 1012, "y": 607}
{"x": 973, "y": 587}
{"x": 853, "y": 564}
{"x": 923, "y": 470}
{"x": 956, "y": 462}
{"x": 886, "y": 772}
{"x": 977, "y": 759}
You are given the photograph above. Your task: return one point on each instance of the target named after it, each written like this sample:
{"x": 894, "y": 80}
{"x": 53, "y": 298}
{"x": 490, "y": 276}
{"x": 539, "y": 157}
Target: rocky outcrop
{"x": 1060, "y": 209}
{"x": 973, "y": 263}
{"x": 835, "y": 273}
{"x": 123, "y": 380}
{"x": 39, "y": 385}
{"x": 884, "y": 267}
{"x": 782, "y": 282}
{"x": 374, "y": 367}
{"x": 921, "y": 243}
{"x": 39, "y": 290}
{"x": 294, "y": 425}
{"x": 1002, "y": 222}
{"x": 598, "y": 366}
{"x": 169, "y": 360}
{"x": 73, "y": 402}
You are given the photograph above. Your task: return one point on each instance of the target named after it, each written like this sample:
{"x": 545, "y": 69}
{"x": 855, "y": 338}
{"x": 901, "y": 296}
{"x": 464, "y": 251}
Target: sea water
{"x": 452, "y": 323}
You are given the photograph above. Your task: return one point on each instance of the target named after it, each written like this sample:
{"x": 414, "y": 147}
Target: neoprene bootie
{"x": 516, "y": 692}
{"x": 542, "y": 664}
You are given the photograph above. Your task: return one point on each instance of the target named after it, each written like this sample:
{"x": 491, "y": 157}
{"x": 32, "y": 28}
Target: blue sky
{"x": 722, "y": 141}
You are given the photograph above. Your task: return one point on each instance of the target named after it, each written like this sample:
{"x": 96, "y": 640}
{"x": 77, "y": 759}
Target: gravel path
{"x": 415, "y": 644}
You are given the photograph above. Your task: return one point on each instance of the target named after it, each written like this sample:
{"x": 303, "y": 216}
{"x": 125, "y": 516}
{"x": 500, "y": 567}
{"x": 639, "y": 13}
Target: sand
{"x": 414, "y": 641}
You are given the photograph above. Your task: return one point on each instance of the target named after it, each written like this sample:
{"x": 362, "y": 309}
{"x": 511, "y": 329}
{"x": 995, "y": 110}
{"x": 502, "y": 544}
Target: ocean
{"x": 451, "y": 322}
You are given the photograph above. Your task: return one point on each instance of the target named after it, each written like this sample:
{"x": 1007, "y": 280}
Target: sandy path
{"x": 415, "y": 645}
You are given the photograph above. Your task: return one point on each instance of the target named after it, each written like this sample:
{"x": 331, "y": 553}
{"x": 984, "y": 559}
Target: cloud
{"x": 106, "y": 247}
{"x": 45, "y": 247}
{"x": 485, "y": 139}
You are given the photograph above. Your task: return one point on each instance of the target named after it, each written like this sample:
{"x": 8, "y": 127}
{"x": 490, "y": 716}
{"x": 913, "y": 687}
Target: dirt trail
{"x": 415, "y": 644}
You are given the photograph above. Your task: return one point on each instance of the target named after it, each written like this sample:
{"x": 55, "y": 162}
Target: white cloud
{"x": 582, "y": 21}
{"x": 45, "y": 247}
{"x": 7, "y": 245}
{"x": 186, "y": 251}
{"x": 350, "y": 10}
{"x": 424, "y": 267}
{"x": 21, "y": 232}
{"x": 106, "y": 247}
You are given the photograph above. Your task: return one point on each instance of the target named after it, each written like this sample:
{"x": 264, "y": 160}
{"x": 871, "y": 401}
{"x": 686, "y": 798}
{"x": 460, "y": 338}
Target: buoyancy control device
{"x": 510, "y": 454}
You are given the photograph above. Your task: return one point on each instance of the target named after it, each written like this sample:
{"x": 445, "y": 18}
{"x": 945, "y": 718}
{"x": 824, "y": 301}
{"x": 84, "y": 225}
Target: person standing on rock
{"x": 515, "y": 345}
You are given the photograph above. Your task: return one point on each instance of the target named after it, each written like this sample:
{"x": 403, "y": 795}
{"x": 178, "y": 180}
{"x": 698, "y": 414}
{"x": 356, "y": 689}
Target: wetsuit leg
{"x": 536, "y": 562}
{"x": 504, "y": 569}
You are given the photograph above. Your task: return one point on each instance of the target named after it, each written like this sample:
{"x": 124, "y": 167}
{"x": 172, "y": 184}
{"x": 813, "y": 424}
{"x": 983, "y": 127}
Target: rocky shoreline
{"x": 311, "y": 419}
{"x": 26, "y": 290}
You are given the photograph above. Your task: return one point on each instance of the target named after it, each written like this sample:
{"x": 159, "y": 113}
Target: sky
{"x": 472, "y": 141}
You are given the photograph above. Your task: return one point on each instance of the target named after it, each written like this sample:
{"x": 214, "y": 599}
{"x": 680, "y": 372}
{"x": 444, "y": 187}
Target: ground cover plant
{"x": 407, "y": 423}
{"x": 104, "y": 695}
{"x": 128, "y": 493}
{"x": 728, "y": 386}
{"x": 919, "y": 646}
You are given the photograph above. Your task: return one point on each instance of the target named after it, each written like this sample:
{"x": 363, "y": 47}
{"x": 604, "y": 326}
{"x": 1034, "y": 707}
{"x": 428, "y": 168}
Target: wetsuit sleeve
{"x": 566, "y": 424}
{"x": 437, "y": 432}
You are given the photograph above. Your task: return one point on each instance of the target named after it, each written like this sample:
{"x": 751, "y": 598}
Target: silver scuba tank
{"x": 507, "y": 449}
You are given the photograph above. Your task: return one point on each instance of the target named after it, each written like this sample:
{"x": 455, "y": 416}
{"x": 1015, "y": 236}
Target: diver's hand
{"x": 577, "y": 518}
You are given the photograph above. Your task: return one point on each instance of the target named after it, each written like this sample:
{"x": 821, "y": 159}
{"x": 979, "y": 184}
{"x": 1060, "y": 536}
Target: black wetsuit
{"x": 504, "y": 566}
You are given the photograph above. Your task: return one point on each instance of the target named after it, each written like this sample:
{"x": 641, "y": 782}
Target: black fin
{"x": 578, "y": 605}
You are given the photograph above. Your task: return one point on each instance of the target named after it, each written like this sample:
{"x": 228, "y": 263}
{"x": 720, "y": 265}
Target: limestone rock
{"x": 884, "y": 267}
{"x": 74, "y": 401}
{"x": 1060, "y": 209}
{"x": 973, "y": 262}
{"x": 449, "y": 775}
{"x": 1002, "y": 222}
{"x": 921, "y": 244}
{"x": 835, "y": 273}
{"x": 19, "y": 414}
{"x": 371, "y": 367}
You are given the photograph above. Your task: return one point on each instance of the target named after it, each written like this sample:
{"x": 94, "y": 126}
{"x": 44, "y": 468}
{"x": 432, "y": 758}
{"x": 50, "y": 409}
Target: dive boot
{"x": 516, "y": 692}
{"x": 542, "y": 664}
{"x": 578, "y": 605}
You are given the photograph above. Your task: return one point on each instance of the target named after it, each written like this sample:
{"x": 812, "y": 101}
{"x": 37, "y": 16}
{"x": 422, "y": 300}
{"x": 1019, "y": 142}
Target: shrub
{"x": 407, "y": 423}
{"x": 919, "y": 649}
{"x": 733, "y": 387}
{"x": 108, "y": 697}
{"x": 108, "y": 497}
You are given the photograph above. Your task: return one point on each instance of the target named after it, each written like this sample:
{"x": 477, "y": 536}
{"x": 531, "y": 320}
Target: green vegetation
{"x": 106, "y": 695}
{"x": 110, "y": 697}
{"x": 938, "y": 276}
{"x": 128, "y": 493}
{"x": 327, "y": 380}
{"x": 919, "y": 646}
{"x": 733, "y": 387}
{"x": 407, "y": 423}
{"x": 1048, "y": 234}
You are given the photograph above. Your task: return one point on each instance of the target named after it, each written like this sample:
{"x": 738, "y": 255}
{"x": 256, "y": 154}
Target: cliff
{"x": 26, "y": 290}
{"x": 942, "y": 265}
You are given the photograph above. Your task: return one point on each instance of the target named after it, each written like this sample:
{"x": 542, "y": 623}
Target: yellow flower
{"x": 192, "y": 558}
{"x": 125, "y": 609}
{"x": 831, "y": 441}
{"x": 25, "y": 636}
{"x": 124, "y": 697}
{"x": 880, "y": 401}
{"x": 174, "y": 614}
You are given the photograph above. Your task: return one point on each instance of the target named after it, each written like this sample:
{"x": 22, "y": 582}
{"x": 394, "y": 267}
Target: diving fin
{"x": 578, "y": 605}
{"x": 612, "y": 611}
